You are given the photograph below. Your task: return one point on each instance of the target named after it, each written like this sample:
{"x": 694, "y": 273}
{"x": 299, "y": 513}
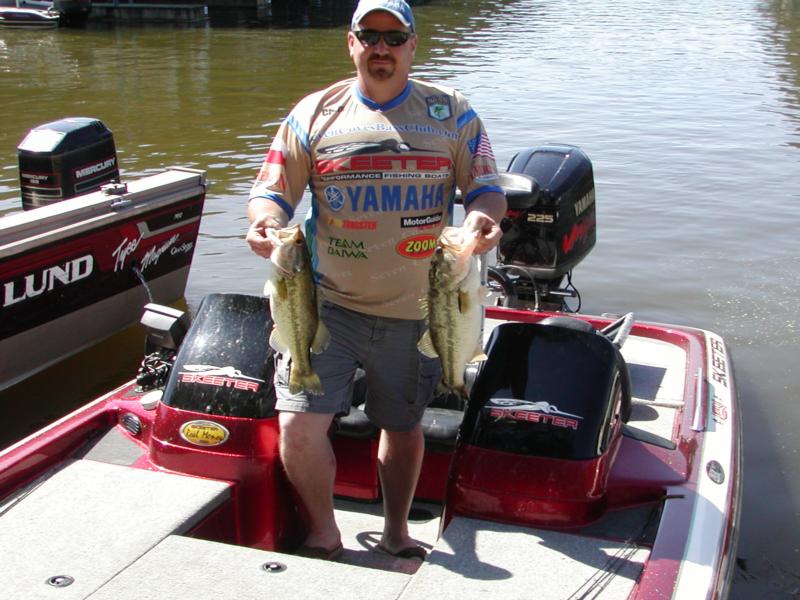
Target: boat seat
{"x": 439, "y": 426}
{"x": 94, "y": 519}
{"x": 440, "y": 422}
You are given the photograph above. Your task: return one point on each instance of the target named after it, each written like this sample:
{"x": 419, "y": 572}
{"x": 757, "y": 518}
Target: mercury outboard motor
{"x": 542, "y": 426}
{"x": 64, "y": 159}
{"x": 550, "y": 226}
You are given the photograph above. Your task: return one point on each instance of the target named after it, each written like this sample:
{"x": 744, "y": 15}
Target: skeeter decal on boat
{"x": 536, "y": 412}
{"x": 704, "y": 559}
{"x": 219, "y": 377}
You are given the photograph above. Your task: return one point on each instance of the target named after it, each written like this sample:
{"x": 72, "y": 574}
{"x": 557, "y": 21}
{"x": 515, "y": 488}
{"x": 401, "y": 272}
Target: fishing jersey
{"x": 382, "y": 179}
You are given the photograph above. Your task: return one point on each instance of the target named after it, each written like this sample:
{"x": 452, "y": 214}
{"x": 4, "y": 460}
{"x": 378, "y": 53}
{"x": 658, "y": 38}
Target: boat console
{"x": 548, "y": 404}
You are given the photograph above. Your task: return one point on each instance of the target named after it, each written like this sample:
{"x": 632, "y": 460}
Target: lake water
{"x": 690, "y": 112}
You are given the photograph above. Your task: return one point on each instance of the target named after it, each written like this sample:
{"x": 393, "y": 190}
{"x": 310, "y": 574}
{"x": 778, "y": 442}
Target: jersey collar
{"x": 382, "y": 107}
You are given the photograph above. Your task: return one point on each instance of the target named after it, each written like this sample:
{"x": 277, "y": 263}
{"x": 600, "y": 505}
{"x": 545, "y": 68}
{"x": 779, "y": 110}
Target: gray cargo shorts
{"x": 400, "y": 381}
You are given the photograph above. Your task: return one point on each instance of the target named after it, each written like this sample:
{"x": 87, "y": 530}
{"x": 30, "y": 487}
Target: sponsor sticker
{"x": 417, "y": 247}
{"x": 334, "y": 197}
{"x": 439, "y": 107}
{"x": 421, "y": 221}
{"x": 353, "y": 224}
{"x": 345, "y": 248}
{"x": 204, "y": 433}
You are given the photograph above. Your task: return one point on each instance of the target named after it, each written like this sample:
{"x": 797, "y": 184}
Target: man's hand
{"x": 262, "y": 214}
{"x": 489, "y": 232}
{"x": 483, "y": 215}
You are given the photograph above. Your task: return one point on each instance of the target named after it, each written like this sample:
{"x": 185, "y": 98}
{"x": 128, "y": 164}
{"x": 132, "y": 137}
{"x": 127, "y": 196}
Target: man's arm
{"x": 263, "y": 214}
{"x": 484, "y": 215}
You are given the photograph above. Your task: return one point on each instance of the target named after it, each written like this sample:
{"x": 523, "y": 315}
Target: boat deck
{"x": 120, "y": 533}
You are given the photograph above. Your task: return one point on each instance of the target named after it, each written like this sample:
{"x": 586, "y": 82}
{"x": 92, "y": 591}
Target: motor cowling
{"x": 64, "y": 159}
{"x": 550, "y": 225}
{"x": 542, "y": 427}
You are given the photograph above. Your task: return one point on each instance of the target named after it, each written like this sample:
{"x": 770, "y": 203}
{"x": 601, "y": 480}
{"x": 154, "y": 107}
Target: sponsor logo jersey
{"x": 382, "y": 179}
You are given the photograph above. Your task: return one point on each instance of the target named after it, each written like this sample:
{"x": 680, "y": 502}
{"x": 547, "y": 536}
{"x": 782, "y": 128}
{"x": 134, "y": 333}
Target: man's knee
{"x": 303, "y": 430}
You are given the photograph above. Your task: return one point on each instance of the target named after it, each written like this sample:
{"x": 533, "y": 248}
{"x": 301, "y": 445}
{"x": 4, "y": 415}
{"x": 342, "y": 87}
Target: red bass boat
{"x": 595, "y": 457}
{"x": 87, "y": 253}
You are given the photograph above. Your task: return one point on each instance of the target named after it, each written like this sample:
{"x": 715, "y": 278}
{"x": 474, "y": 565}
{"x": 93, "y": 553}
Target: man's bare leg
{"x": 309, "y": 461}
{"x": 400, "y": 456}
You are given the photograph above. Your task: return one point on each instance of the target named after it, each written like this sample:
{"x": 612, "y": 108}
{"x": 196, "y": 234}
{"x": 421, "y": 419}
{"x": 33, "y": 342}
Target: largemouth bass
{"x": 454, "y": 307}
{"x": 293, "y": 302}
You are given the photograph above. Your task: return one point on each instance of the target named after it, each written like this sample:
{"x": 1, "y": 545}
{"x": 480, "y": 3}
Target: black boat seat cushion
{"x": 439, "y": 423}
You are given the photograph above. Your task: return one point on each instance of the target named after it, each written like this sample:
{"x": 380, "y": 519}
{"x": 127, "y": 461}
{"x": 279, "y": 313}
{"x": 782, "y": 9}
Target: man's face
{"x": 381, "y": 62}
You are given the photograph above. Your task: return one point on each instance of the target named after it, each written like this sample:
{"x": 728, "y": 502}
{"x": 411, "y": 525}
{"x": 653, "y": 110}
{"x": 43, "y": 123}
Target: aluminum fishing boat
{"x": 80, "y": 265}
{"x": 595, "y": 457}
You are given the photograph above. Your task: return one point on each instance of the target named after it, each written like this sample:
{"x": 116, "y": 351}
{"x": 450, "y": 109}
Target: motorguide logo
{"x": 421, "y": 221}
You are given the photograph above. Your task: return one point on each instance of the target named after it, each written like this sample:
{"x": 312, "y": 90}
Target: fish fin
{"x": 281, "y": 291}
{"x": 277, "y": 342}
{"x": 426, "y": 347}
{"x": 464, "y": 301}
{"x": 479, "y": 355}
{"x": 423, "y": 305}
{"x": 322, "y": 338}
{"x": 307, "y": 382}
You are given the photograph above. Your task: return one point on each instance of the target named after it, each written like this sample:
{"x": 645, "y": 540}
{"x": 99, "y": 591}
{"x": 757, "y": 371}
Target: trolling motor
{"x": 549, "y": 227}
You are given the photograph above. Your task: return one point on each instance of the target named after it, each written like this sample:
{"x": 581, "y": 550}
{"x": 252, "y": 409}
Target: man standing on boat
{"x": 382, "y": 154}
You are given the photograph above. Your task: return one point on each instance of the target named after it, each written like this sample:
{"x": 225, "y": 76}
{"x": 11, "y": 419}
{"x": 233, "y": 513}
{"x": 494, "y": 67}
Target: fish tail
{"x": 307, "y": 381}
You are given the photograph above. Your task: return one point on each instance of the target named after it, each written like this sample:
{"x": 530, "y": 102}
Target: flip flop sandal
{"x": 319, "y": 552}
{"x": 409, "y": 552}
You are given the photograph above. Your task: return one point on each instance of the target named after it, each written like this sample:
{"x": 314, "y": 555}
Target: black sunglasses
{"x": 370, "y": 37}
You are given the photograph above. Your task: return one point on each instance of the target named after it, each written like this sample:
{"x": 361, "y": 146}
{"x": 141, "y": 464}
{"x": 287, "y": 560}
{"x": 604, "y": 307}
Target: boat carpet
{"x": 471, "y": 559}
{"x": 57, "y": 527}
{"x": 229, "y": 571}
{"x": 181, "y": 567}
{"x": 511, "y": 562}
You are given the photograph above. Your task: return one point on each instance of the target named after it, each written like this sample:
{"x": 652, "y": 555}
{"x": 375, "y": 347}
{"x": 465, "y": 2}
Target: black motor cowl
{"x": 550, "y": 225}
{"x": 225, "y": 364}
{"x": 64, "y": 159}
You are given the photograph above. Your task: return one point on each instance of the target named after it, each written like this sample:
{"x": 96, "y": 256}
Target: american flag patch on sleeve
{"x": 481, "y": 146}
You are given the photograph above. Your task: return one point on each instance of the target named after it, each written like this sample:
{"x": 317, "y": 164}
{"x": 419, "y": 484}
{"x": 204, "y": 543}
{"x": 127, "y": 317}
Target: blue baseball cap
{"x": 398, "y": 8}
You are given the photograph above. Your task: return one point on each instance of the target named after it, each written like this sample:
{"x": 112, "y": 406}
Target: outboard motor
{"x": 217, "y": 417}
{"x": 64, "y": 159}
{"x": 542, "y": 427}
{"x": 550, "y": 226}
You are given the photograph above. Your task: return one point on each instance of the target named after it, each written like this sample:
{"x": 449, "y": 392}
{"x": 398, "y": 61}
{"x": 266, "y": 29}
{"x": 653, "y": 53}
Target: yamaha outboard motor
{"x": 550, "y": 226}
{"x": 542, "y": 427}
{"x": 217, "y": 417}
{"x": 64, "y": 159}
